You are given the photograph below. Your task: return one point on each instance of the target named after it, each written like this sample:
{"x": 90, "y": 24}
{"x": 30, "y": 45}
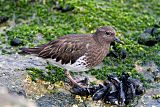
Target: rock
{"x": 3, "y": 19}
{"x": 56, "y": 100}
{"x": 147, "y": 99}
{"x": 123, "y": 54}
{"x": 149, "y": 31}
{"x": 16, "y": 42}
{"x": 150, "y": 71}
{"x": 64, "y": 8}
{"x": 151, "y": 36}
{"x": 67, "y": 8}
{"x": 152, "y": 31}
{"x": 155, "y": 31}
{"x": 146, "y": 39}
{"x": 13, "y": 76}
{"x": 9, "y": 100}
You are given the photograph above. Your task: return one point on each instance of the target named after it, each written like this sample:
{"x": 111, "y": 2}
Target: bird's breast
{"x": 78, "y": 66}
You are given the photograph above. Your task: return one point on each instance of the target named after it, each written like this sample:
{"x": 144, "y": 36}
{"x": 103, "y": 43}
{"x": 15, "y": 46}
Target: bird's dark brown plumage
{"x": 69, "y": 48}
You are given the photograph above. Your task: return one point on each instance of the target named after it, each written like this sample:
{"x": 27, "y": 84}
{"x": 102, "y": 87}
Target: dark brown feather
{"x": 65, "y": 49}
{"x": 69, "y": 48}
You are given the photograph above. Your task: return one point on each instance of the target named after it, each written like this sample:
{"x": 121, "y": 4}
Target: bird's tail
{"x": 30, "y": 50}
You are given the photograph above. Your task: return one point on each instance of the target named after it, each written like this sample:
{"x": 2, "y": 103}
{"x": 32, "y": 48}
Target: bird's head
{"x": 108, "y": 34}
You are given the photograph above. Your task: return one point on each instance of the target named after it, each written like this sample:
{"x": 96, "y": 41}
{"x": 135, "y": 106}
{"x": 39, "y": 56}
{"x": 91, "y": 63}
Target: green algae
{"x": 53, "y": 74}
{"x": 129, "y": 18}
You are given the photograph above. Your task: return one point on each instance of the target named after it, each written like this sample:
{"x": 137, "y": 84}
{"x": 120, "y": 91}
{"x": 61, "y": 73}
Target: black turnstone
{"x": 77, "y": 52}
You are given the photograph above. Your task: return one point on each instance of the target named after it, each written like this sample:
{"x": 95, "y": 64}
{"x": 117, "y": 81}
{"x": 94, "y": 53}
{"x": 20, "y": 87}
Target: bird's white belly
{"x": 78, "y": 66}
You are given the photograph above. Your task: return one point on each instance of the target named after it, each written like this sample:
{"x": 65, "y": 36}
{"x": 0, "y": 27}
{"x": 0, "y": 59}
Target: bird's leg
{"x": 73, "y": 81}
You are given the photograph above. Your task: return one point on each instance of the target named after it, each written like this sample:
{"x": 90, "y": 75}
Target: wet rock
{"x": 149, "y": 30}
{"x": 13, "y": 76}
{"x": 146, "y": 39}
{"x": 147, "y": 99}
{"x": 3, "y": 19}
{"x": 56, "y": 100}
{"x": 64, "y": 8}
{"x": 122, "y": 54}
{"x": 150, "y": 71}
{"x": 157, "y": 75}
{"x": 16, "y": 42}
{"x": 67, "y": 8}
{"x": 19, "y": 93}
{"x": 151, "y": 36}
{"x": 10, "y": 100}
{"x": 152, "y": 31}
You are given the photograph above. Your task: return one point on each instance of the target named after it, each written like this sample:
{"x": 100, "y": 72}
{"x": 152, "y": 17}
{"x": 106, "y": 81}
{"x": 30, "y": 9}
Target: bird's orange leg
{"x": 73, "y": 81}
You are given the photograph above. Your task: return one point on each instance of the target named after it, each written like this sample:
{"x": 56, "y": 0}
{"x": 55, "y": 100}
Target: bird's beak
{"x": 118, "y": 40}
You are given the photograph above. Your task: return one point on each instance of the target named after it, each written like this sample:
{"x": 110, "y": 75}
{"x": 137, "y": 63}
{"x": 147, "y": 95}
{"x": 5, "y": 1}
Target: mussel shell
{"x": 80, "y": 91}
{"x": 139, "y": 88}
{"x": 101, "y": 93}
{"x": 111, "y": 98}
{"x": 130, "y": 93}
{"x": 118, "y": 84}
{"x": 86, "y": 91}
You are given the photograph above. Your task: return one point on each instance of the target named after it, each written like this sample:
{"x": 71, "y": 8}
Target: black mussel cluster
{"x": 119, "y": 91}
{"x": 151, "y": 36}
{"x": 117, "y": 52}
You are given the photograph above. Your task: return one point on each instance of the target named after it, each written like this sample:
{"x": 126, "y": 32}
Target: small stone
{"x": 58, "y": 7}
{"x": 16, "y": 42}
{"x": 149, "y": 30}
{"x": 3, "y": 19}
{"x": 146, "y": 39}
{"x": 123, "y": 54}
{"x": 67, "y": 8}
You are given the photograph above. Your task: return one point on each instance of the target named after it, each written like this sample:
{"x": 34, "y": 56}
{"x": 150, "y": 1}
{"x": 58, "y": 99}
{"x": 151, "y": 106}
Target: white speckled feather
{"x": 78, "y": 66}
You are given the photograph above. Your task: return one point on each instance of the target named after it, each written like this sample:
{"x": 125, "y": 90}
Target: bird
{"x": 77, "y": 52}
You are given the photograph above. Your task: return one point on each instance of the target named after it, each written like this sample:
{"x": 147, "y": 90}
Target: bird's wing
{"x": 66, "y": 50}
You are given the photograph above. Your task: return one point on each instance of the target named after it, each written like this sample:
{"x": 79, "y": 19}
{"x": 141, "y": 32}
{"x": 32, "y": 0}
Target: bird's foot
{"x": 74, "y": 82}
{"x": 83, "y": 81}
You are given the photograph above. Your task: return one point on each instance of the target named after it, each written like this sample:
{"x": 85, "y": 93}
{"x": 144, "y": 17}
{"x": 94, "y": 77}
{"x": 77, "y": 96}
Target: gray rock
{"x": 9, "y": 100}
{"x": 13, "y": 74}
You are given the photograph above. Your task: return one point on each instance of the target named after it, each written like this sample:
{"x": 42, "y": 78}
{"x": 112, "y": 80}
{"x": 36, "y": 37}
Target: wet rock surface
{"x": 151, "y": 36}
{"x": 16, "y": 42}
{"x": 58, "y": 99}
{"x": 13, "y": 76}
{"x": 3, "y": 19}
{"x": 10, "y": 100}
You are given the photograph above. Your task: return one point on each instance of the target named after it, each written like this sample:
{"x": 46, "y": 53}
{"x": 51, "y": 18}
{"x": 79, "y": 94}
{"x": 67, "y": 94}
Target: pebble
{"x": 16, "y": 42}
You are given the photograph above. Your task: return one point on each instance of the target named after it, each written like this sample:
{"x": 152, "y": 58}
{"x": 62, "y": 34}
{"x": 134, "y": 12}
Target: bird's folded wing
{"x": 65, "y": 50}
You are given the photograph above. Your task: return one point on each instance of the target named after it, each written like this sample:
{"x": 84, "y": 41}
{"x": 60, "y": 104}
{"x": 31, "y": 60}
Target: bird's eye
{"x": 107, "y": 33}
